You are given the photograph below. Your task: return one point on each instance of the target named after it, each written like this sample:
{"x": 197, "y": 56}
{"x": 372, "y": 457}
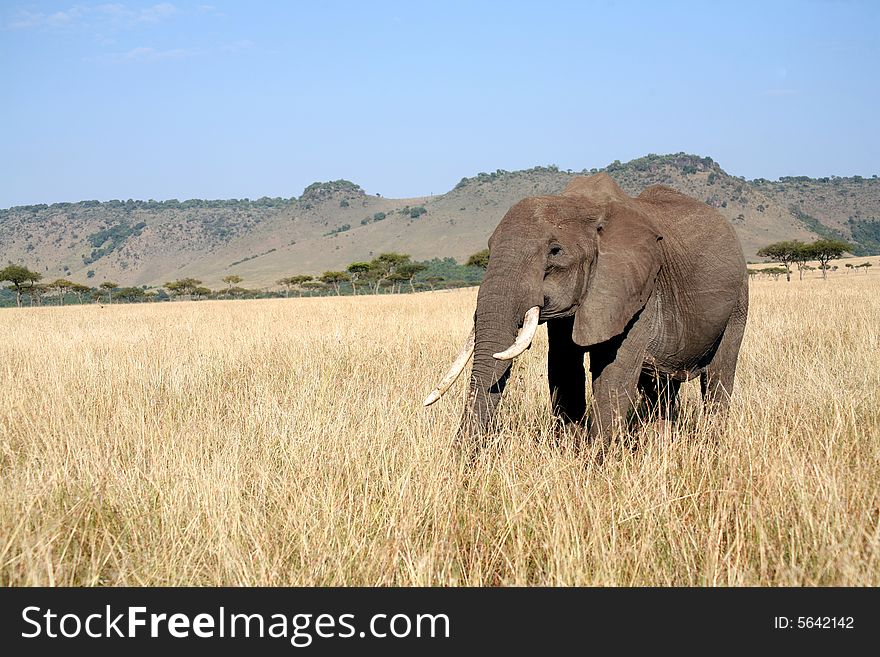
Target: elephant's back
{"x": 697, "y": 232}
{"x": 701, "y": 281}
{"x": 673, "y": 209}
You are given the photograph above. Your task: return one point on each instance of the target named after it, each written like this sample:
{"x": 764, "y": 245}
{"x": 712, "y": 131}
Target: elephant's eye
{"x": 555, "y": 249}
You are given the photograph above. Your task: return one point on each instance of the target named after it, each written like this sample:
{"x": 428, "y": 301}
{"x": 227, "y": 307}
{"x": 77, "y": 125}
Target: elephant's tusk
{"x": 525, "y": 336}
{"x": 454, "y": 371}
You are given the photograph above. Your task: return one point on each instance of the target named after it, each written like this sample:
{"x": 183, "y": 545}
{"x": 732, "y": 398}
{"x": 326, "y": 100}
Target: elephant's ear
{"x": 622, "y": 276}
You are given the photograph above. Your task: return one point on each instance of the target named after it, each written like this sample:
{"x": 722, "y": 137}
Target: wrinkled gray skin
{"x": 653, "y": 288}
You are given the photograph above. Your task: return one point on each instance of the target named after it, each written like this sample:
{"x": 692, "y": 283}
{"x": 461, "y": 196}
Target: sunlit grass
{"x": 284, "y": 442}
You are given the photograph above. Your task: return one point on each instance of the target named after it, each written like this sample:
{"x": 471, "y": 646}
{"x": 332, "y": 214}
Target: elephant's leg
{"x": 565, "y": 372}
{"x": 716, "y": 381}
{"x": 660, "y": 392}
{"x": 615, "y": 367}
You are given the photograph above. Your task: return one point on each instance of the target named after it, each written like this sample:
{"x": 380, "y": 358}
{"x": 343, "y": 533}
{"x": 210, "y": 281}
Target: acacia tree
{"x": 803, "y": 254}
{"x": 286, "y": 283}
{"x": 231, "y": 281}
{"x": 334, "y": 278}
{"x": 357, "y": 270}
{"x": 434, "y": 280}
{"x": 409, "y": 270}
{"x": 311, "y": 285}
{"x": 383, "y": 266}
{"x": 856, "y": 268}
{"x": 184, "y": 286}
{"x": 395, "y": 280}
{"x": 825, "y": 250}
{"x": 109, "y": 286}
{"x": 198, "y": 292}
{"x": 784, "y": 253}
{"x": 130, "y": 294}
{"x": 60, "y": 286}
{"x": 79, "y": 290}
{"x": 294, "y": 282}
{"x": 36, "y": 292}
{"x": 773, "y": 272}
{"x": 21, "y": 278}
{"x": 481, "y": 259}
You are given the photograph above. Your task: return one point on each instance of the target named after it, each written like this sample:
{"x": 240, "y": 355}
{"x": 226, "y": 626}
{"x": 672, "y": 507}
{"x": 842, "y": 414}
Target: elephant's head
{"x": 588, "y": 253}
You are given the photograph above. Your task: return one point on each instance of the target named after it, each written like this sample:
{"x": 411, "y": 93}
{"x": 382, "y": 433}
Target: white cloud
{"x": 210, "y": 10}
{"x": 99, "y": 16}
{"x": 25, "y": 19}
{"x": 145, "y": 54}
{"x": 63, "y": 18}
{"x": 156, "y": 13}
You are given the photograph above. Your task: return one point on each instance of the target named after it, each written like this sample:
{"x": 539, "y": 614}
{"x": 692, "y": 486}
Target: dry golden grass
{"x": 284, "y": 442}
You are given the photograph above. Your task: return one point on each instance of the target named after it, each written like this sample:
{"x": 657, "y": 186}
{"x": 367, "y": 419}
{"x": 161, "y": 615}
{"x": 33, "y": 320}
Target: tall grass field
{"x": 283, "y": 442}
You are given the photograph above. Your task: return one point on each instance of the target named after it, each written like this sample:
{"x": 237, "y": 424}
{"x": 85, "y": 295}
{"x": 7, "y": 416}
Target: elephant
{"x": 653, "y": 288}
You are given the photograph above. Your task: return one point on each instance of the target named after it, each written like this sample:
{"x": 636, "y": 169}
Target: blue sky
{"x": 247, "y": 99}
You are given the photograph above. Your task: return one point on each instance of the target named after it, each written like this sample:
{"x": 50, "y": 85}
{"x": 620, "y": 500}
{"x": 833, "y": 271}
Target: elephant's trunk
{"x": 502, "y": 302}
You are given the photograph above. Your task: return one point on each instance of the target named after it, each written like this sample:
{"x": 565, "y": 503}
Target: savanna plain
{"x": 283, "y": 442}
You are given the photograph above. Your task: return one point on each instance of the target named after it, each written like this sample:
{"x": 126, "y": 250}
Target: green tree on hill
{"x": 801, "y": 257}
{"x": 774, "y": 272}
{"x": 60, "y": 286}
{"x": 409, "y": 271}
{"x": 21, "y": 278}
{"x": 294, "y": 282}
{"x": 184, "y": 287}
{"x": 357, "y": 270}
{"x": 827, "y": 249}
{"x": 286, "y": 283}
{"x": 301, "y": 282}
{"x": 80, "y": 290}
{"x": 478, "y": 259}
{"x": 394, "y": 280}
{"x": 451, "y": 272}
{"x": 231, "y": 281}
{"x": 199, "y": 291}
{"x": 311, "y": 286}
{"x": 383, "y": 266}
{"x": 130, "y": 294}
{"x": 784, "y": 253}
{"x": 36, "y": 292}
{"x": 432, "y": 281}
{"x": 334, "y": 278}
{"x": 109, "y": 286}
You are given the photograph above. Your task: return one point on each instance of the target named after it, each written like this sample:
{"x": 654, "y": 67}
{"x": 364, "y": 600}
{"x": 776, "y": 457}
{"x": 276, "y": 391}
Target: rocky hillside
{"x": 332, "y": 224}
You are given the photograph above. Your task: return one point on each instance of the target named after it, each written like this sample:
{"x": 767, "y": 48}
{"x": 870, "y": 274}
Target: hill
{"x": 334, "y": 223}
